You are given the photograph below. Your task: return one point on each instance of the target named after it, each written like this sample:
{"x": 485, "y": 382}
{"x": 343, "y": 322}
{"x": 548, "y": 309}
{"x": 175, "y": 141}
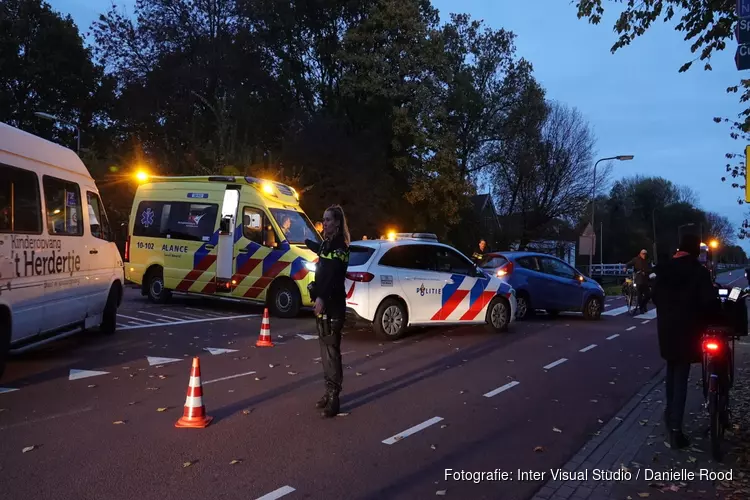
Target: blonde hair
{"x": 340, "y": 217}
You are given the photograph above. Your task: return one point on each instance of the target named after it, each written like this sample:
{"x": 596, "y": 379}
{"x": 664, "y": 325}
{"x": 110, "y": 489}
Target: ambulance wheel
{"x": 390, "y": 320}
{"x": 156, "y": 291}
{"x": 109, "y": 316}
{"x": 498, "y": 314}
{"x": 284, "y": 299}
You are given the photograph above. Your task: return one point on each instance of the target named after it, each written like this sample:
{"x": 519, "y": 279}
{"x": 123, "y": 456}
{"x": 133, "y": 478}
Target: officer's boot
{"x": 322, "y": 402}
{"x": 332, "y": 406}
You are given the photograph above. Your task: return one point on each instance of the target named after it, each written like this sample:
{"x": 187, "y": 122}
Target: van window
{"x": 257, "y": 227}
{"x": 175, "y": 220}
{"x": 295, "y": 226}
{"x": 63, "y": 199}
{"x": 20, "y": 205}
{"x": 97, "y": 217}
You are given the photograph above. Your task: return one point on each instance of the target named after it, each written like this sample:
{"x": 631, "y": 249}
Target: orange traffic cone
{"x": 264, "y": 340}
{"x": 194, "y": 415}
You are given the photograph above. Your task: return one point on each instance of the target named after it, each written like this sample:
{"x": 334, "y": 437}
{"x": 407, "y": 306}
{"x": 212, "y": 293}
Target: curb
{"x": 548, "y": 489}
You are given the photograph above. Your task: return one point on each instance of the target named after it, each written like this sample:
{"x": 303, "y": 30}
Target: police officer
{"x": 329, "y": 293}
{"x": 479, "y": 252}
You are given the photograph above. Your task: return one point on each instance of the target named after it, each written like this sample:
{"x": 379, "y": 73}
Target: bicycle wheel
{"x": 633, "y": 301}
{"x": 716, "y": 430}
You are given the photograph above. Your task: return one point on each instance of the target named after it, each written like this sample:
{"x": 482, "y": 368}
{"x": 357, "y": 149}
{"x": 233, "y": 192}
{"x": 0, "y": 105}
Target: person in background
{"x": 479, "y": 253}
{"x": 329, "y": 293}
{"x": 686, "y": 303}
{"x": 642, "y": 270}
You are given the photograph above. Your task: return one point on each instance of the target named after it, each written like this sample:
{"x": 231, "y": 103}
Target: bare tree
{"x": 686, "y": 194}
{"x": 719, "y": 227}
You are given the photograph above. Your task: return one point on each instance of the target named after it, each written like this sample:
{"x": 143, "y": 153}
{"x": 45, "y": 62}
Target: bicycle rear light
{"x": 710, "y": 346}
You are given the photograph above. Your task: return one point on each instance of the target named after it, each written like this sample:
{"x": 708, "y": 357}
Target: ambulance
{"x": 239, "y": 238}
{"x": 60, "y": 269}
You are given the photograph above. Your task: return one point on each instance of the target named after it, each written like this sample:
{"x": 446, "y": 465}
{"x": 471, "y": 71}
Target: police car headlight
{"x": 310, "y": 266}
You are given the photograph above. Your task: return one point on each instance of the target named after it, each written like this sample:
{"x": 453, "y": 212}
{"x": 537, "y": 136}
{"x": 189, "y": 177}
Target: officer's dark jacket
{"x": 640, "y": 265}
{"x": 330, "y": 272}
{"x": 478, "y": 255}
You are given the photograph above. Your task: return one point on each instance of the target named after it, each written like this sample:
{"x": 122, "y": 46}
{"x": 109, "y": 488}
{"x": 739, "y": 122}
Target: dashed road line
{"x": 185, "y": 322}
{"x": 283, "y": 491}
{"x": 412, "y": 430}
{"x": 555, "y": 363}
{"x": 616, "y": 312}
{"x": 169, "y": 318}
{"x": 138, "y": 319}
{"x": 503, "y": 388}
{"x": 613, "y": 336}
{"x": 587, "y": 348}
{"x": 645, "y": 322}
{"x": 228, "y": 378}
{"x": 629, "y": 329}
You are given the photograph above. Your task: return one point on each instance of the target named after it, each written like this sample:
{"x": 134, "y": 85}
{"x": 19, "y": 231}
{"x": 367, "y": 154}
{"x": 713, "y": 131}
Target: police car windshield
{"x": 295, "y": 226}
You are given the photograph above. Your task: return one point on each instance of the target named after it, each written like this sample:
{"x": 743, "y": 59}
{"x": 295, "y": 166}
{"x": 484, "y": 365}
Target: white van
{"x": 60, "y": 271}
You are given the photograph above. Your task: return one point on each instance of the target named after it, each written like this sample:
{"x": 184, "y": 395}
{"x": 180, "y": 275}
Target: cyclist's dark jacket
{"x": 643, "y": 266}
{"x": 330, "y": 273}
{"x": 686, "y": 302}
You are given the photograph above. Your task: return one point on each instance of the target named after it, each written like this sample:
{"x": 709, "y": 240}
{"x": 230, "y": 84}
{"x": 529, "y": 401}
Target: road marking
{"x": 213, "y": 314}
{"x": 161, "y": 361}
{"x": 284, "y": 490}
{"x": 79, "y": 374}
{"x": 503, "y": 388}
{"x": 228, "y": 378}
{"x": 649, "y": 315}
{"x": 588, "y": 348}
{"x": 139, "y": 319}
{"x": 629, "y": 329}
{"x": 161, "y": 316}
{"x": 306, "y": 337}
{"x": 412, "y": 430}
{"x": 555, "y": 363}
{"x": 645, "y": 322}
{"x": 218, "y": 350}
{"x": 347, "y": 352}
{"x": 44, "y": 419}
{"x": 3, "y": 390}
{"x": 613, "y": 336}
{"x": 616, "y": 312}
{"x": 192, "y": 321}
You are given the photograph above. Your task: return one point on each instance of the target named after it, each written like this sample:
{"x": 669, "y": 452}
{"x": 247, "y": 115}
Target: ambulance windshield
{"x": 295, "y": 226}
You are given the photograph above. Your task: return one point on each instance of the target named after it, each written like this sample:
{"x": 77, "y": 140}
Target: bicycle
{"x": 630, "y": 291}
{"x": 717, "y": 366}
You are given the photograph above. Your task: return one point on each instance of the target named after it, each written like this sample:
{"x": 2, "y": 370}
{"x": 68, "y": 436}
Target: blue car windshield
{"x": 295, "y": 226}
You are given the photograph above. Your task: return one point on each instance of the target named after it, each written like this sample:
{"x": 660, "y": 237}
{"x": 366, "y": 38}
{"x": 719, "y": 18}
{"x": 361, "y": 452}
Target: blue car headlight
{"x": 310, "y": 266}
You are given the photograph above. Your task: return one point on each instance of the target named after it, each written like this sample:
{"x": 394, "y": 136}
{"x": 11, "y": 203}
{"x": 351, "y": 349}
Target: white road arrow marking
{"x": 79, "y": 374}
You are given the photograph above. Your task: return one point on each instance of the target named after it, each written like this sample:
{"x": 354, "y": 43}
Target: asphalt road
{"x": 99, "y": 411}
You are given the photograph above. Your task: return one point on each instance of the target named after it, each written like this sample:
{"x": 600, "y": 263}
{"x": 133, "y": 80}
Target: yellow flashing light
{"x": 267, "y": 187}
{"x": 296, "y": 194}
{"x": 391, "y": 235}
{"x": 141, "y": 176}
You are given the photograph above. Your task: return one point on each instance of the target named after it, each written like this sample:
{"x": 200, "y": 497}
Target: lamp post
{"x": 54, "y": 118}
{"x": 593, "y": 205}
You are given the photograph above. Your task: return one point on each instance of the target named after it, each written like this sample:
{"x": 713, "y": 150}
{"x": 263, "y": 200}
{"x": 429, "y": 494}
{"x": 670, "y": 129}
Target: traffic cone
{"x": 194, "y": 415}
{"x": 264, "y": 340}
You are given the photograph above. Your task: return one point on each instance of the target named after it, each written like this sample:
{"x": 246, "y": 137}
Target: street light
{"x": 54, "y": 118}
{"x": 593, "y": 205}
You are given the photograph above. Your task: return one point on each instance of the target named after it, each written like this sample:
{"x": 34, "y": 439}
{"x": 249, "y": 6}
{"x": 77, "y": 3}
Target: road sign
{"x": 743, "y": 8}
{"x": 747, "y": 169}
{"x": 742, "y": 57}
{"x": 742, "y": 31}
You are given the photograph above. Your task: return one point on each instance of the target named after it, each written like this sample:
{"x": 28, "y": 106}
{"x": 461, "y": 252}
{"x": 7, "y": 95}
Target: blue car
{"x": 543, "y": 281}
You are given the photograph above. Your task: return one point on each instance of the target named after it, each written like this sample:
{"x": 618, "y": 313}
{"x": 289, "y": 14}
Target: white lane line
{"x": 649, "y": 315}
{"x": 284, "y": 490}
{"x": 119, "y": 325}
{"x": 616, "y": 312}
{"x": 44, "y": 419}
{"x": 205, "y": 312}
{"x": 228, "y": 378}
{"x": 138, "y": 319}
{"x": 3, "y": 390}
{"x": 588, "y": 348}
{"x": 645, "y": 322}
{"x": 192, "y": 321}
{"x": 555, "y": 363}
{"x": 170, "y": 318}
{"x": 347, "y": 352}
{"x": 412, "y": 430}
{"x": 613, "y": 336}
{"x": 629, "y": 329}
{"x": 503, "y": 388}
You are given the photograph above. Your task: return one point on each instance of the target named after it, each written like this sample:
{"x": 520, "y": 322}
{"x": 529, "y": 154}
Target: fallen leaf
{"x": 343, "y": 414}
{"x": 691, "y": 459}
{"x": 292, "y": 373}
{"x": 271, "y": 365}
{"x": 539, "y": 449}
{"x": 187, "y": 464}
{"x": 162, "y": 377}
{"x": 235, "y": 461}
{"x": 600, "y": 420}
{"x": 118, "y": 422}
{"x": 162, "y": 409}
{"x": 462, "y": 392}
{"x": 556, "y": 429}
{"x": 126, "y": 368}
{"x": 28, "y": 449}
{"x": 644, "y": 495}
{"x": 444, "y": 426}
{"x": 258, "y": 378}
{"x": 92, "y": 386}
{"x": 247, "y": 412}
{"x": 132, "y": 403}
{"x": 433, "y": 447}
{"x": 643, "y": 422}
{"x": 359, "y": 374}
{"x": 593, "y": 400}
{"x": 382, "y": 369}
{"x": 440, "y": 493}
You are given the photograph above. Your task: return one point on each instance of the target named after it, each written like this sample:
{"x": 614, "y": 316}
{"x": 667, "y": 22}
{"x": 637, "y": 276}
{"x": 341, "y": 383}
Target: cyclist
{"x": 686, "y": 302}
{"x": 642, "y": 270}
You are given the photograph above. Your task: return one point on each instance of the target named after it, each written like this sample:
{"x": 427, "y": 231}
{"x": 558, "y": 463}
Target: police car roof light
{"x": 416, "y": 236}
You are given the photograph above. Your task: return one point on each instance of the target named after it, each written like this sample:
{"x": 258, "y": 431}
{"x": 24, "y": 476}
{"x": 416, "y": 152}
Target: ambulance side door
{"x": 256, "y": 247}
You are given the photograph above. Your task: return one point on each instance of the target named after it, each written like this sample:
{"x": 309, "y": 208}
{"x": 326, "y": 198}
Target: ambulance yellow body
{"x": 222, "y": 236}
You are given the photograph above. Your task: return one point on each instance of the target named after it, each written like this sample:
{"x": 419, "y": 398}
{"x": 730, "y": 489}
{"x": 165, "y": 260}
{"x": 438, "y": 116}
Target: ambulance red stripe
{"x": 265, "y": 280}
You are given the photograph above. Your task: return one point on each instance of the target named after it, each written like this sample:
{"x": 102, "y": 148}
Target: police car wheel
{"x": 498, "y": 314}
{"x": 390, "y": 320}
{"x": 285, "y": 300}
{"x": 157, "y": 293}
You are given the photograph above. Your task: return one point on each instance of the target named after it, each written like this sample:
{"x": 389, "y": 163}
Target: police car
{"x": 412, "y": 279}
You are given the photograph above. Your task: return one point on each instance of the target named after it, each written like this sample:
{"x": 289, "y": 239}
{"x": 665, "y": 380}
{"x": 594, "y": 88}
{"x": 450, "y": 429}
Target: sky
{"x": 635, "y": 100}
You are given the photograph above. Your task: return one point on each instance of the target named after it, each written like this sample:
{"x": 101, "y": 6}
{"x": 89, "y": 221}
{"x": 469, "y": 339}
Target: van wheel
{"x": 109, "y": 317}
{"x": 285, "y": 300}
{"x": 157, "y": 293}
{"x": 498, "y": 314}
{"x": 390, "y": 320}
{"x": 4, "y": 342}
